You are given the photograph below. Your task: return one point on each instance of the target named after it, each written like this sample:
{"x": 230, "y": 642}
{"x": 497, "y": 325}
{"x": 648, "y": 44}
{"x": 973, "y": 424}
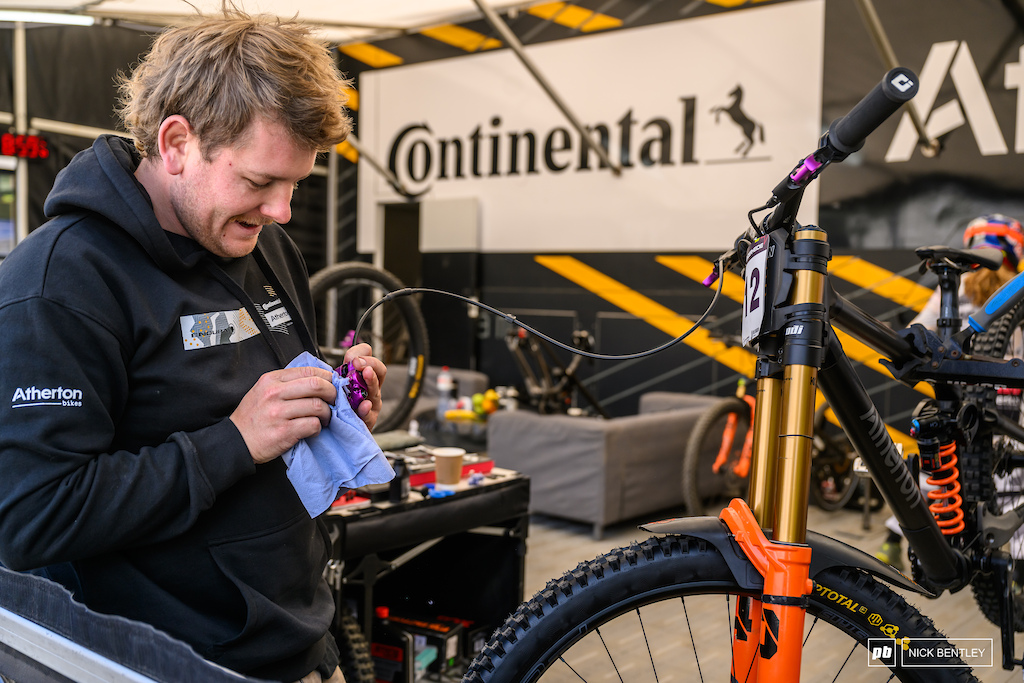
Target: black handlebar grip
{"x": 848, "y": 133}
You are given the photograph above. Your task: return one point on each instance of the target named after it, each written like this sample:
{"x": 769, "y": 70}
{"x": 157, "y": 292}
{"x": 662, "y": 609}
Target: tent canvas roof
{"x": 342, "y": 21}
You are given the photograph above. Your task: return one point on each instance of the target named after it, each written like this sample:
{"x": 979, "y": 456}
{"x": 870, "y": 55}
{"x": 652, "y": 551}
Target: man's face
{"x": 224, "y": 203}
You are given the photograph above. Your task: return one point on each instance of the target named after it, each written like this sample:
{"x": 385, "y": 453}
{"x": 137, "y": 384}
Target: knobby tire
{"x": 640, "y": 613}
{"x": 355, "y": 660}
{"x": 995, "y": 343}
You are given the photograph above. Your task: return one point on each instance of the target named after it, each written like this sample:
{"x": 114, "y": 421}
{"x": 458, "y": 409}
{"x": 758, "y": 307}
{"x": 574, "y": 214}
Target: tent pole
{"x": 379, "y": 167}
{"x": 331, "y": 321}
{"x": 929, "y": 145}
{"x": 513, "y": 42}
{"x": 332, "y": 207}
{"x": 20, "y": 128}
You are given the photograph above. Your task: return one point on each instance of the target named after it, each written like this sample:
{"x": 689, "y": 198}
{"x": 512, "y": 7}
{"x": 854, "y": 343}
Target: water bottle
{"x": 445, "y": 395}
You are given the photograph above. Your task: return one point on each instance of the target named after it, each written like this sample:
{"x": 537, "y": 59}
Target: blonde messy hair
{"x": 982, "y": 283}
{"x": 223, "y": 72}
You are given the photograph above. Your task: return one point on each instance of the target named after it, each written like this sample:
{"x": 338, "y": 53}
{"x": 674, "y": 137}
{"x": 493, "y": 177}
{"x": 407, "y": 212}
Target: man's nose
{"x": 279, "y": 205}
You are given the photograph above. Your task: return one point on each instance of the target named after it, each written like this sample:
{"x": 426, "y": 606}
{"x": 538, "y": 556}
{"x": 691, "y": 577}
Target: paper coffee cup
{"x": 447, "y": 467}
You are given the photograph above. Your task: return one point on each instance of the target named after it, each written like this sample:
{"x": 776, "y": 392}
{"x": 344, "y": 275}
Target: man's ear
{"x": 173, "y": 141}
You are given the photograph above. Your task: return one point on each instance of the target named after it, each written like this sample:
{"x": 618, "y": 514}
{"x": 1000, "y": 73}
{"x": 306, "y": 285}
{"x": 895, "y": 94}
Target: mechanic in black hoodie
{"x": 144, "y": 405}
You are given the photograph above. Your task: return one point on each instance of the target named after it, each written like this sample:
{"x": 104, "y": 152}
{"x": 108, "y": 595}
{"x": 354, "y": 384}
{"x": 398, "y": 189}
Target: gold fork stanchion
{"x": 803, "y": 352}
{"x": 780, "y": 473}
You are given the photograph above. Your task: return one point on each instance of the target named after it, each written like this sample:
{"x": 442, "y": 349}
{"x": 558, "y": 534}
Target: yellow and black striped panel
{"x": 537, "y": 23}
{"x": 856, "y": 270}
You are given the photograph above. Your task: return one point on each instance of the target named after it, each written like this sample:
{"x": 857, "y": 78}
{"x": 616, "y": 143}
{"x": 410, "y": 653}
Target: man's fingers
{"x": 283, "y": 407}
{"x": 287, "y": 386}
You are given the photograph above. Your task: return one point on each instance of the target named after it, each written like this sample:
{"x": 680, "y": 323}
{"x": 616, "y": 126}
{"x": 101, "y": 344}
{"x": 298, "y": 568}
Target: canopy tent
{"x": 356, "y": 27}
{"x": 379, "y": 33}
{"x": 342, "y": 21}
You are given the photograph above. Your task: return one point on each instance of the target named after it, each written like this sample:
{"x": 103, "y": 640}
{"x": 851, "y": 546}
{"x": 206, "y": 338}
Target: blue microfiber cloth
{"x": 342, "y": 456}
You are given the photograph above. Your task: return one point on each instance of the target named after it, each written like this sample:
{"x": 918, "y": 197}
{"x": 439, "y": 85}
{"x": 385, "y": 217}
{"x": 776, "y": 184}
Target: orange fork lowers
{"x": 742, "y": 466}
{"x": 787, "y": 585}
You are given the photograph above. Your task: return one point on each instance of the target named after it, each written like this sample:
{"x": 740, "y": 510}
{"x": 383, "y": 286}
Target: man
{"x": 145, "y": 331}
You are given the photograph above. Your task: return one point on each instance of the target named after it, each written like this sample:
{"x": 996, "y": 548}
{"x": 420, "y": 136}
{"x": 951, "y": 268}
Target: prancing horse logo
{"x": 740, "y": 118}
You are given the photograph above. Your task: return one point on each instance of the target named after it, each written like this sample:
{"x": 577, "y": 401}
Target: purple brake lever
{"x": 356, "y": 390}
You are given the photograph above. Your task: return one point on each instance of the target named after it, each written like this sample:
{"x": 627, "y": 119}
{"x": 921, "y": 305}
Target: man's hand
{"x": 285, "y": 406}
{"x": 373, "y": 372}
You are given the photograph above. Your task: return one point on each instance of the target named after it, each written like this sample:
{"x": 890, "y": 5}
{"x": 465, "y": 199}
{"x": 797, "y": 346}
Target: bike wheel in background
{"x": 833, "y": 480}
{"x": 704, "y": 490}
{"x": 396, "y": 331}
{"x": 354, "y": 652}
{"x": 997, "y": 342}
{"x": 663, "y": 610}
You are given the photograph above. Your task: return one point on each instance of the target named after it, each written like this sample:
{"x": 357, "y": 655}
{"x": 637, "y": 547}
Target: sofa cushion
{"x": 595, "y": 470}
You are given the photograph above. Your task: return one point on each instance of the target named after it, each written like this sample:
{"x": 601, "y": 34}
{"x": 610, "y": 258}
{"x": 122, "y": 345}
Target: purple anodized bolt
{"x": 806, "y": 169}
{"x": 356, "y": 390}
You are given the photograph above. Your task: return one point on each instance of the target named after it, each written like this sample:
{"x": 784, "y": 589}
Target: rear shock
{"x": 936, "y": 433}
{"x": 948, "y": 505}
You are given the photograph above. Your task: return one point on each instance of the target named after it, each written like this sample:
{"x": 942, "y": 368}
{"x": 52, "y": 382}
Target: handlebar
{"x": 845, "y": 136}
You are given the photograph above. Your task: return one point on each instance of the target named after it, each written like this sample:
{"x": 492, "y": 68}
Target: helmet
{"x": 997, "y": 231}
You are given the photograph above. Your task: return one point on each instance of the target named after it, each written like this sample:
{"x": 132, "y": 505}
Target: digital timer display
{"x": 25, "y": 146}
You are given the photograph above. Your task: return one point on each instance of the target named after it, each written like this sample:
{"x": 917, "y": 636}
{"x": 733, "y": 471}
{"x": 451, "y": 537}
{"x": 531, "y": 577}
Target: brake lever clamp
{"x": 918, "y": 338}
{"x": 356, "y": 390}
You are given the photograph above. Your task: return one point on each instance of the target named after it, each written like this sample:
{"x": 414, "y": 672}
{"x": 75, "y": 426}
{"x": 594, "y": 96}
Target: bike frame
{"x": 798, "y": 354}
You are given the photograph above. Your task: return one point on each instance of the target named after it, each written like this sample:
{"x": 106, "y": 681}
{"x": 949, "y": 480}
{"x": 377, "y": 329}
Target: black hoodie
{"x": 122, "y": 474}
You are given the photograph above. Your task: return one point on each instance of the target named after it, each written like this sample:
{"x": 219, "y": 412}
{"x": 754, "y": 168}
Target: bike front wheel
{"x": 663, "y": 610}
{"x": 396, "y": 331}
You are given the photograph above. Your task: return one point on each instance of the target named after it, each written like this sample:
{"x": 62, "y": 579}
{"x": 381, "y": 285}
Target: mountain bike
{"x": 777, "y": 587}
{"x": 342, "y": 293}
{"x": 716, "y": 463}
{"x": 549, "y": 383}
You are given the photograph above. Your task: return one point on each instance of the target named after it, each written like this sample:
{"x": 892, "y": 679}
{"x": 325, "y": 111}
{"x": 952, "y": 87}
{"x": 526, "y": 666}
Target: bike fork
{"x": 780, "y": 476}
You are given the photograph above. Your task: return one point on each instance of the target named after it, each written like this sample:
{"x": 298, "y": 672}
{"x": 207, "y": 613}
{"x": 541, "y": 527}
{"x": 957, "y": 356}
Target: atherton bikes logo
{"x": 54, "y": 396}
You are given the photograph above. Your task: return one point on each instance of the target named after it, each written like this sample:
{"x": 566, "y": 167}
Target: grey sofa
{"x": 600, "y": 471}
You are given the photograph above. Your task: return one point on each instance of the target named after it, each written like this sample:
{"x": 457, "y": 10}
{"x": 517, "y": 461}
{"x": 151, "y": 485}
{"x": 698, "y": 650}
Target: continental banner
{"x": 704, "y": 116}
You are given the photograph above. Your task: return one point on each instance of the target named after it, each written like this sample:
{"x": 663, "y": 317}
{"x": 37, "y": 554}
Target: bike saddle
{"x": 964, "y": 258}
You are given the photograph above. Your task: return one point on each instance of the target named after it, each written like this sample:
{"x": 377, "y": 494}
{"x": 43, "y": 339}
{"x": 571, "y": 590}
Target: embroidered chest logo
{"x": 273, "y": 312}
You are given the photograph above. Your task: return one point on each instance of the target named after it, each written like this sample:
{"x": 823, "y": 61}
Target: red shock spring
{"x": 947, "y": 508}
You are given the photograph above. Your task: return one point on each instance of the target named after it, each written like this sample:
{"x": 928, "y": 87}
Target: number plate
{"x": 754, "y": 290}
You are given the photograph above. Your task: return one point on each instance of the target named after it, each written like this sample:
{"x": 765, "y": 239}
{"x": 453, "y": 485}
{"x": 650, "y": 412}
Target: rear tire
{"x": 996, "y": 343}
